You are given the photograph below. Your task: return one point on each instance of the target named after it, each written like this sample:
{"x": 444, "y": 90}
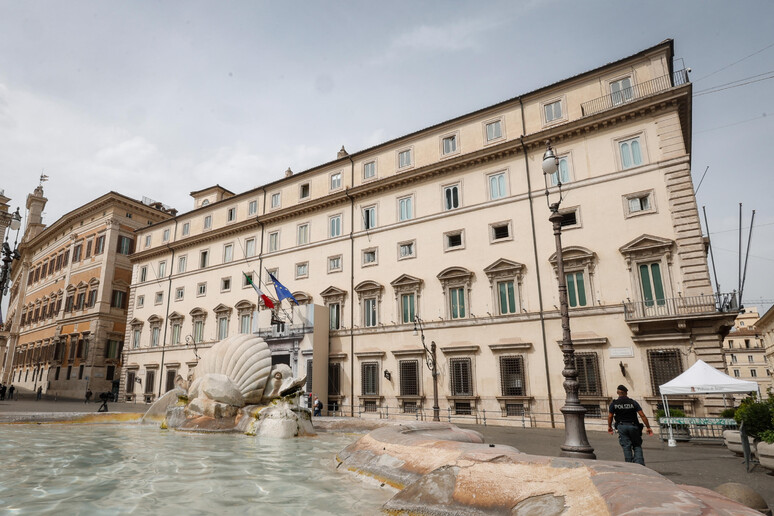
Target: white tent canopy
{"x": 702, "y": 378}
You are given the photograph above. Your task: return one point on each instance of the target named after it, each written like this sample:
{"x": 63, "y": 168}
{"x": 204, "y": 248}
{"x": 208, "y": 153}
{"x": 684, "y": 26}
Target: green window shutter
{"x": 511, "y": 299}
{"x": 569, "y": 280}
{"x": 581, "y": 289}
{"x": 658, "y": 286}
{"x": 647, "y": 293}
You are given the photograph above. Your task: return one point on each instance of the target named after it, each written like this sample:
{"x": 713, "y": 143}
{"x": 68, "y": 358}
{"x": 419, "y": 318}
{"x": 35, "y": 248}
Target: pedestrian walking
{"x": 40, "y": 393}
{"x": 10, "y": 391}
{"x": 2, "y": 391}
{"x": 89, "y": 394}
{"x": 317, "y": 406}
{"x": 625, "y": 411}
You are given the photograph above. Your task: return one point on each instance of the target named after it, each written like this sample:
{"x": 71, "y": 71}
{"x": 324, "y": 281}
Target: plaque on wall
{"x": 626, "y": 352}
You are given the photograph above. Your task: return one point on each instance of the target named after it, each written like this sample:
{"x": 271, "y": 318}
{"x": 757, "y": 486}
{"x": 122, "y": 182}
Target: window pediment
{"x": 647, "y": 246}
{"x": 121, "y": 284}
{"x": 332, "y": 292}
{"x": 302, "y": 297}
{"x": 198, "y": 313}
{"x": 94, "y": 282}
{"x": 155, "y": 320}
{"x": 222, "y": 309}
{"x": 406, "y": 283}
{"x": 503, "y": 268}
{"x": 369, "y": 288}
{"x": 575, "y": 257}
{"x": 136, "y": 323}
{"x": 176, "y": 317}
{"x": 245, "y": 305}
{"x": 455, "y": 276}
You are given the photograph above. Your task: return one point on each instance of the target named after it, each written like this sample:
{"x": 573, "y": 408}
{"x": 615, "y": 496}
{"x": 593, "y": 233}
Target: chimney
{"x": 288, "y": 172}
{"x": 342, "y": 153}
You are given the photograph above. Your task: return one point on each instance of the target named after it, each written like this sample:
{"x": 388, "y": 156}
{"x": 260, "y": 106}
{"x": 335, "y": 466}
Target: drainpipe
{"x": 537, "y": 266}
{"x": 260, "y": 253}
{"x": 351, "y": 290}
{"x": 166, "y": 316}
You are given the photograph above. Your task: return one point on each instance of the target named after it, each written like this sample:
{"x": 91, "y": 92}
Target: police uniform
{"x": 625, "y": 411}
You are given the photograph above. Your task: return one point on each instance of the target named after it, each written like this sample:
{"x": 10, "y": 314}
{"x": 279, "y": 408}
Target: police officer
{"x": 625, "y": 411}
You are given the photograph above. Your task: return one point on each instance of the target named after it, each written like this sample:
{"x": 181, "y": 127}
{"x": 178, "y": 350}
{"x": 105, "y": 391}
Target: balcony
{"x": 635, "y": 92}
{"x": 680, "y": 307}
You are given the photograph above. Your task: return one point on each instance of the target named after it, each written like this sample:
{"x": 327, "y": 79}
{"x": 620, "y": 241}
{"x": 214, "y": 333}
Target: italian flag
{"x": 266, "y": 301}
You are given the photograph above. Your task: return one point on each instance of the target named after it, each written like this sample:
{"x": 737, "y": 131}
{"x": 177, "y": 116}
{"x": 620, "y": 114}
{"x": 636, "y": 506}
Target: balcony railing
{"x": 680, "y": 306}
{"x": 635, "y": 92}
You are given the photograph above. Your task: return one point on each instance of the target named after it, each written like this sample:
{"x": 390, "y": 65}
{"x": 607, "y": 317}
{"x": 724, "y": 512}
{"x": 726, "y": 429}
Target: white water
{"x": 115, "y": 469}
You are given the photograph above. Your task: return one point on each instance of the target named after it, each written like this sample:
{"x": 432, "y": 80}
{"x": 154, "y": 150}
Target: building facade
{"x": 70, "y": 294}
{"x": 745, "y": 351}
{"x": 765, "y": 327}
{"x": 447, "y": 227}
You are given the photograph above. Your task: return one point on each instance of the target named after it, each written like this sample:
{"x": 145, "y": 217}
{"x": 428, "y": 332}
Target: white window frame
{"x": 443, "y": 138}
{"x": 308, "y": 195}
{"x": 140, "y": 301}
{"x": 413, "y": 244}
{"x": 147, "y": 241}
{"x": 374, "y": 222}
{"x": 555, "y": 177}
{"x": 143, "y": 275}
{"x": 228, "y": 253}
{"x": 494, "y": 139}
{"x": 207, "y": 222}
{"x": 206, "y": 260}
{"x": 337, "y": 269}
{"x": 158, "y": 297}
{"x": 446, "y": 236}
{"x": 622, "y": 99}
{"x": 375, "y": 173}
{"x": 249, "y": 247}
{"x": 186, "y": 228}
{"x": 276, "y": 200}
{"x": 302, "y": 270}
{"x": 489, "y": 177}
{"x": 330, "y": 225}
{"x": 252, "y": 207}
{"x": 231, "y": 214}
{"x": 644, "y": 194}
{"x": 182, "y": 263}
{"x": 201, "y": 289}
{"x": 627, "y": 140}
{"x": 274, "y": 246}
{"x": 400, "y": 153}
{"x": 335, "y": 181}
{"x": 370, "y": 316}
{"x": 410, "y": 199}
{"x": 245, "y": 284}
{"x": 165, "y": 235}
{"x": 578, "y": 222}
{"x": 493, "y": 225}
{"x": 179, "y": 293}
{"x": 306, "y": 232}
{"x": 444, "y": 189}
{"x": 375, "y": 251}
{"x": 337, "y": 318}
{"x": 222, "y": 326}
{"x": 562, "y": 101}
{"x": 162, "y": 269}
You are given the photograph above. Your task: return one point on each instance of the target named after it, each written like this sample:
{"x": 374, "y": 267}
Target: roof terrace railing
{"x": 680, "y": 306}
{"x": 635, "y": 92}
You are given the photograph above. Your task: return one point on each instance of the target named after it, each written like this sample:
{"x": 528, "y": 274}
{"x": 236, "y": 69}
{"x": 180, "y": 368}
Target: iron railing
{"x": 635, "y": 92}
{"x": 680, "y": 306}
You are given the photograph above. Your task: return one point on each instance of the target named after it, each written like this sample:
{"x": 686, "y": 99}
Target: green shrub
{"x": 673, "y": 412}
{"x": 767, "y": 436}
{"x": 728, "y": 413}
{"x": 756, "y": 416}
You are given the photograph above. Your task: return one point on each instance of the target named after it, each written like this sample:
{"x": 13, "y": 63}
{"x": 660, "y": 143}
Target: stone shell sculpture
{"x": 244, "y": 360}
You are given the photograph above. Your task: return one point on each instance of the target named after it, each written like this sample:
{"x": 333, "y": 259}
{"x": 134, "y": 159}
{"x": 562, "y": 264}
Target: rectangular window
{"x": 407, "y": 308}
{"x": 302, "y": 270}
{"x": 369, "y": 170}
{"x": 409, "y": 377}
{"x": 405, "y": 209}
{"x": 231, "y": 215}
{"x": 576, "y": 289}
{"x": 165, "y": 235}
{"x": 334, "y": 226}
{"x": 451, "y": 197}
{"x": 334, "y": 313}
{"x": 150, "y": 382}
{"x": 304, "y": 191}
{"x": 404, "y": 158}
{"x": 457, "y": 302}
{"x": 143, "y": 273}
{"x": 336, "y": 181}
{"x": 334, "y": 263}
{"x": 118, "y": 299}
{"x": 753, "y": 373}
{"x": 275, "y": 200}
{"x": 553, "y": 111}
{"x": 497, "y": 186}
{"x": 664, "y": 365}
{"x": 245, "y": 277}
{"x": 562, "y": 173}
{"x": 249, "y": 247}
{"x": 273, "y": 241}
{"x": 252, "y": 207}
{"x": 334, "y": 384}
{"x": 222, "y": 328}
{"x": 155, "y": 334}
{"x": 225, "y": 284}
{"x": 569, "y": 218}
{"x": 158, "y": 298}
{"x": 177, "y": 328}
{"x": 450, "y": 144}
{"x": 512, "y": 376}
{"x": 136, "y": 338}
{"x": 652, "y": 286}
{"x": 162, "y": 269}
{"x": 461, "y": 377}
{"x": 736, "y": 373}
{"x": 454, "y": 241}
{"x": 406, "y": 250}
{"x": 90, "y": 303}
{"x": 79, "y": 302}
{"x": 369, "y": 257}
{"x": 639, "y": 203}
{"x": 369, "y": 378}
{"x": 147, "y": 241}
{"x": 201, "y": 289}
{"x": 181, "y": 264}
{"x": 494, "y": 130}
{"x": 369, "y": 312}
{"x": 631, "y": 153}
{"x": 198, "y": 331}
{"x": 302, "y": 233}
{"x": 369, "y": 217}
{"x": 208, "y": 222}
{"x": 506, "y": 297}
{"x": 204, "y": 259}
{"x": 179, "y": 293}
{"x": 76, "y": 256}
{"x": 186, "y": 228}
{"x": 500, "y": 231}
{"x": 589, "y": 381}
{"x": 130, "y": 381}
{"x": 88, "y": 248}
{"x": 621, "y": 91}
{"x": 228, "y": 253}
{"x": 99, "y": 248}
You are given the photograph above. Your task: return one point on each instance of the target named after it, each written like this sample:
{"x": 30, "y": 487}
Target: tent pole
{"x": 671, "y": 443}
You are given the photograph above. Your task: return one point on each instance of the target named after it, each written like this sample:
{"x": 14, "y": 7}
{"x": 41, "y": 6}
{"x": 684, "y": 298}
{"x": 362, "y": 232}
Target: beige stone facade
{"x": 68, "y": 302}
{"x": 450, "y": 224}
{"x": 765, "y": 327}
{"x": 745, "y": 352}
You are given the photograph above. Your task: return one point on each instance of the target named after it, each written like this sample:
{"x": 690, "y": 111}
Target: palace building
{"x": 70, "y": 292}
{"x": 446, "y": 230}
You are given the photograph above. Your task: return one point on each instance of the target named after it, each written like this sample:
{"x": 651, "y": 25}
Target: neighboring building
{"x": 70, "y": 293}
{"x": 765, "y": 325}
{"x": 450, "y": 224}
{"x": 745, "y": 352}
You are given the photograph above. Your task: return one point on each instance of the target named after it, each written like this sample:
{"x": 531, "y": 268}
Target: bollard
{"x": 387, "y": 412}
{"x": 449, "y": 409}
{"x": 484, "y": 413}
{"x": 416, "y": 415}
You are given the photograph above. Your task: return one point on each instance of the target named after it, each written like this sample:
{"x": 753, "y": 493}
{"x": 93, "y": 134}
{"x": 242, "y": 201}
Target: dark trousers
{"x": 630, "y": 439}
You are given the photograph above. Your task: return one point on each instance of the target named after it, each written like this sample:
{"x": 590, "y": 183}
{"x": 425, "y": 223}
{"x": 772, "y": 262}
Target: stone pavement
{"x": 705, "y": 465}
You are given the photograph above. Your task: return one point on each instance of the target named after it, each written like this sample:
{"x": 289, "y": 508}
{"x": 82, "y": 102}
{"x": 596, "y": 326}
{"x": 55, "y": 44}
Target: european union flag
{"x": 282, "y": 290}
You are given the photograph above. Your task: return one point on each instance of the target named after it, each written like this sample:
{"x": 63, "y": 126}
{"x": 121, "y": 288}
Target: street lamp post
{"x": 13, "y": 222}
{"x": 576, "y": 443}
{"x": 430, "y": 359}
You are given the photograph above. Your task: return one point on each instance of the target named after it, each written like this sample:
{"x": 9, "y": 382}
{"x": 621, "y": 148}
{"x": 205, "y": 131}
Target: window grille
{"x": 501, "y": 231}
{"x": 150, "y": 381}
{"x": 409, "y": 377}
{"x": 664, "y": 365}
{"x": 461, "y": 381}
{"x": 308, "y": 376}
{"x": 569, "y": 219}
{"x": 454, "y": 240}
{"x": 369, "y": 406}
{"x": 129, "y": 381}
{"x": 369, "y": 376}
{"x": 593, "y": 411}
{"x": 462, "y": 408}
{"x": 410, "y": 407}
{"x": 514, "y": 409}
{"x": 334, "y": 371}
{"x": 587, "y": 366}
{"x": 512, "y": 376}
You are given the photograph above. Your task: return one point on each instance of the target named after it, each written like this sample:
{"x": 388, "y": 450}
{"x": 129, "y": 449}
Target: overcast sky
{"x": 160, "y": 98}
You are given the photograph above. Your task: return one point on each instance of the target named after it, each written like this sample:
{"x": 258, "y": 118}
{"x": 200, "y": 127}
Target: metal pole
{"x": 436, "y": 408}
{"x": 576, "y": 443}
